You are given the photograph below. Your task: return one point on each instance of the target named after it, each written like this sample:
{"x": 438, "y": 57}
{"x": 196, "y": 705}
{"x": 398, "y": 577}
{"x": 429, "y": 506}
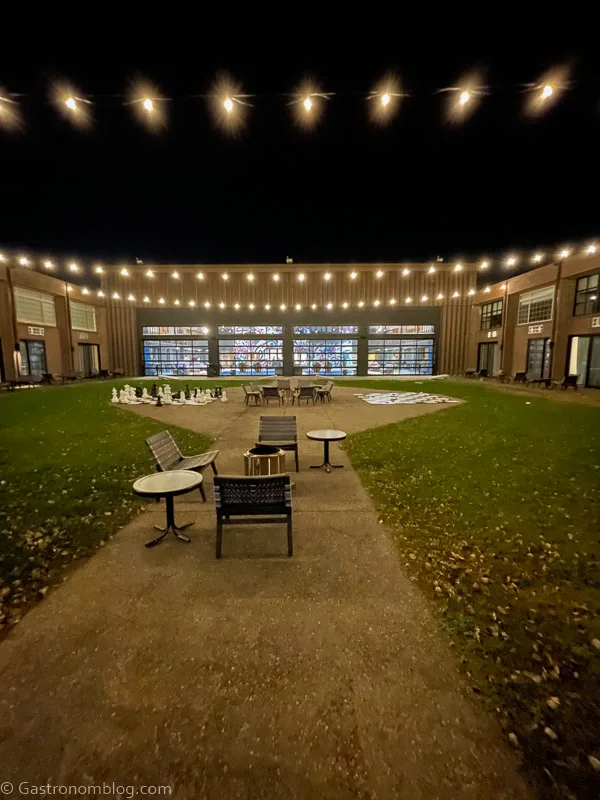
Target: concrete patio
{"x": 319, "y": 676}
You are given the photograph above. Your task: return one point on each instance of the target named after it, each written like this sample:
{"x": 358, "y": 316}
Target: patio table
{"x": 168, "y": 485}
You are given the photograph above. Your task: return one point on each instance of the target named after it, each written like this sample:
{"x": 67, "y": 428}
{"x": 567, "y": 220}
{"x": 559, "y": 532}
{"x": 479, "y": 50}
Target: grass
{"x": 67, "y": 462}
{"x": 495, "y": 505}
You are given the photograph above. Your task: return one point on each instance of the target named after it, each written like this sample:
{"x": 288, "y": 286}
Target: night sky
{"x": 347, "y": 191}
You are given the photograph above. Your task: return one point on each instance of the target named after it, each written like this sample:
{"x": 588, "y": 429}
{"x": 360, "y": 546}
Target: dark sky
{"x": 349, "y": 191}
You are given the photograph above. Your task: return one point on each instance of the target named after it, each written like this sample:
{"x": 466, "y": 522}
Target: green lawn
{"x": 495, "y": 505}
{"x": 67, "y": 462}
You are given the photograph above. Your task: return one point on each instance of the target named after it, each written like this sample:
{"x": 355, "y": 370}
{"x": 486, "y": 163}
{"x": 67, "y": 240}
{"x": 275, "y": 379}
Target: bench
{"x": 168, "y": 456}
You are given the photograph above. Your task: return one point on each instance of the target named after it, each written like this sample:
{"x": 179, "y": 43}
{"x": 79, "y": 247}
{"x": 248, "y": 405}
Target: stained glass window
{"x": 175, "y": 357}
{"x": 194, "y": 330}
{"x": 401, "y": 329}
{"x": 308, "y": 330}
{"x": 248, "y": 330}
{"x": 250, "y": 356}
{"x": 400, "y": 357}
{"x": 325, "y": 356}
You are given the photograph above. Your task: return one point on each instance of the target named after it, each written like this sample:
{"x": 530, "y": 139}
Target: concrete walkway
{"x": 321, "y": 676}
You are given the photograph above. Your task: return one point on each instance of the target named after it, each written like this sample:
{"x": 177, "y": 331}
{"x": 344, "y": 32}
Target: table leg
{"x": 326, "y": 462}
{"x": 175, "y": 529}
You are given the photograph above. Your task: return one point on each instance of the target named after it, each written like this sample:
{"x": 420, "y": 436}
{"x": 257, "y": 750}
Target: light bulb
{"x": 48, "y": 265}
{"x": 268, "y": 306}
{"x": 148, "y": 104}
{"x": 276, "y": 276}
{"x": 484, "y": 264}
{"x": 98, "y": 270}
{"x": 591, "y": 249}
{"x": 547, "y": 91}
{"x": 297, "y": 306}
{"x": 361, "y": 304}
{"x": 221, "y": 304}
{"x": 123, "y": 271}
{"x": 379, "y": 274}
{"x": 84, "y": 291}
{"x": 464, "y": 98}
{"x": 537, "y": 258}
{"x": 301, "y": 277}
{"x": 175, "y": 275}
{"x": 251, "y": 306}
{"x": 176, "y": 302}
{"x": 564, "y": 253}
{"x": 70, "y": 103}
{"x": 471, "y": 292}
{"x": 23, "y": 261}
{"x": 408, "y": 300}
{"x": 250, "y": 277}
{"x": 314, "y": 305}
{"x": 431, "y": 269}
{"x": 161, "y": 300}
{"x": 511, "y": 261}
{"x": 73, "y": 268}
{"x": 116, "y": 296}
{"x": 200, "y": 276}
{"x": 440, "y": 296}
{"x": 149, "y": 273}
{"x": 307, "y": 103}
{"x": 206, "y": 304}
{"x": 100, "y": 293}
{"x": 456, "y": 294}
{"x": 192, "y": 303}
{"x": 330, "y": 306}
{"x": 458, "y": 268}
{"x": 405, "y": 272}
{"x": 392, "y": 302}
{"x": 327, "y": 276}
{"x": 282, "y": 307}
{"x": 228, "y": 105}
{"x": 131, "y": 298}
{"x": 487, "y": 290}
{"x": 377, "y": 302}
{"x": 344, "y": 305}
{"x": 424, "y": 299}
{"x": 385, "y": 99}
{"x": 236, "y": 306}
{"x": 146, "y": 299}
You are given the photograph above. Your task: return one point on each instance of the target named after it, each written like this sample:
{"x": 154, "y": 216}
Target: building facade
{"x": 545, "y": 323}
{"x": 48, "y": 326}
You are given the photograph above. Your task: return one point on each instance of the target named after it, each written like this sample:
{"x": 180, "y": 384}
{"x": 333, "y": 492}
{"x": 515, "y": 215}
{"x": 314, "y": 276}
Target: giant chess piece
{"x": 144, "y": 393}
{"x": 123, "y": 396}
{"x": 159, "y": 401}
{"x": 224, "y": 398}
{"x": 160, "y": 392}
{"x": 114, "y": 398}
{"x": 153, "y": 390}
{"x": 187, "y": 391}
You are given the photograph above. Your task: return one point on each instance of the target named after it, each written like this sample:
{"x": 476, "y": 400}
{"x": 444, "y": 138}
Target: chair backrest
{"x": 328, "y": 386}
{"x": 283, "y": 383}
{"x": 164, "y": 449}
{"x": 304, "y": 382}
{"x": 254, "y": 387}
{"x": 266, "y": 494}
{"x": 270, "y": 391}
{"x": 277, "y": 429}
{"x": 519, "y": 376}
{"x": 247, "y": 388}
{"x": 306, "y": 391}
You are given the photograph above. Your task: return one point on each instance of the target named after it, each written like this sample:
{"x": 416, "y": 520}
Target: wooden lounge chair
{"x": 253, "y": 501}
{"x": 304, "y": 393}
{"x": 323, "y": 392}
{"x": 251, "y": 393}
{"x": 168, "y": 456}
{"x": 272, "y": 393}
{"x": 281, "y": 431}
{"x": 569, "y": 381}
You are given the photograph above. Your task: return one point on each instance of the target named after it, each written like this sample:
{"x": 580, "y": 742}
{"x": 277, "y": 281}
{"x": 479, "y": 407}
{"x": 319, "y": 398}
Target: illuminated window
{"x": 83, "y": 317}
{"x": 325, "y": 356}
{"x": 400, "y": 357}
{"x": 246, "y": 330}
{"x": 491, "y": 315}
{"x": 536, "y": 306}
{"x": 175, "y": 357}
{"x": 250, "y": 356}
{"x": 34, "y": 307}
{"x": 316, "y": 329}
{"x": 401, "y": 329}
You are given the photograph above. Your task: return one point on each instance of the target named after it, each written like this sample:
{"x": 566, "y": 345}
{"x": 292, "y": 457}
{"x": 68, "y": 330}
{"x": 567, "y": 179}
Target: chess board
{"x": 404, "y": 398}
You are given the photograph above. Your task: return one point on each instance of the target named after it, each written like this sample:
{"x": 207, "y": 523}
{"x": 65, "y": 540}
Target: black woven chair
{"x": 281, "y": 431}
{"x": 253, "y": 501}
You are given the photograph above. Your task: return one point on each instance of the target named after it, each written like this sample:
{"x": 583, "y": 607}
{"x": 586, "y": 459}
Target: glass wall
{"x": 193, "y": 330}
{"x": 538, "y": 358}
{"x": 584, "y": 360}
{"x": 316, "y": 329}
{"x": 400, "y": 357}
{"x": 402, "y": 329}
{"x": 251, "y": 356}
{"x": 325, "y": 356}
{"x": 247, "y": 330}
{"x": 175, "y": 356}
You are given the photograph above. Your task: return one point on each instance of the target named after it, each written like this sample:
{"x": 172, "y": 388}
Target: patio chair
{"x": 281, "y": 431}
{"x": 253, "y": 501}
{"x": 272, "y": 393}
{"x": 569, "y": 380}
{"x": 251, "y": 393}
{"x": 304, "y": 393}
{"x": 323, "y": 392}
{"x": 168, "y": 456}
{"x": 520, "y": 377}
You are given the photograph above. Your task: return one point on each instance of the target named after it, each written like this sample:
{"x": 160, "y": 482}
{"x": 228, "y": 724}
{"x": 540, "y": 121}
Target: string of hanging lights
{"x": 229, "y": 104}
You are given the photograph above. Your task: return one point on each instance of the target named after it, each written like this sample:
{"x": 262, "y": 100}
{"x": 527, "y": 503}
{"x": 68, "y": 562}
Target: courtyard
{"x": 435, "y": 633}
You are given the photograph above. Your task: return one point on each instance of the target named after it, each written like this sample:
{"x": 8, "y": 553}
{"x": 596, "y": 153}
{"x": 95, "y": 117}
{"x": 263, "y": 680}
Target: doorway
{"x": 486, "y": 357}
{"x": 88, "y": 360}
{"x": 584, "y": 360}
{"x": 538, "y": 359}
{"x": 33, "y": 357}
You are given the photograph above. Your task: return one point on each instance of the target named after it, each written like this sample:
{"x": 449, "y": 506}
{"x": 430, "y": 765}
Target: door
{"x": 594, "y": 366}
{"x": 584, "y": 360}
{"x": 33, "y": 357}
{"x": 538, "y": 358}
{"x": 486, "y": 357}
{"x": 88, "y": 360}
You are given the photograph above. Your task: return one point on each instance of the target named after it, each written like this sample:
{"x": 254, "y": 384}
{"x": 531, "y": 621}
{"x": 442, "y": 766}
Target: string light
{"x": 221, "y": 304}
{"x": 282, "y": 307}
{"x": 100, "y": 293}
{"x": 327, "y": 276}
{"x": 484, "y": 264}
{"x": 225, "y": 276}
{"x": 148, "y": 104}
{"x": 487, "y": 290}
{"x": 48, "y": 265}
{"x": 511, "y": 261}
{"x": 206, "y": 304}
{"x": 503, "y": 287}
{"x": 379, "y": 273}
{"x": 564, "y": 253}
{"x": 69, "y": 288}
{"x": 228, "y": 105}
{"x": 2, "y": 258}
{"x": 301, "y": 277}
{"x": 146, "y": 299}
{"x": 251, "y": 306}
{"x": 250, "y": 277}
{"x": 458, "y": 268}
{"x": 268, "y": 307}
{"x": 84, "y": 291}
{"x": 71, "y": 104}
{"x": 537, "y": 258}
{"x": 314, "y": 305}
{"x": 547, "y": 90}
{"x": 392, "y": 302}
{"x": 236, "y": 306}
{"x": 275, "y": 276}
{"x": 192, "y": 303}
{"x": 424, "y": 299}
{"x": 297, "y": 306}
{"x": 161, "y": 300}
{"x": 149, "y": 273}
{"x": 98, "y": 269}
{"x": 176, "y": 302}
{"x": 175, "y": 276}
{"x": 200, "y": 276}
{"x": 361, "y": 303}
{"x": 23, "y": 261}
{"x": 431, "y": 269}
{"x": 440, "y": 296}
{"x": 124, "y": 272}
{"x": 131, "y": 298}
{"x": 456, "y": 294}
{"x": 329, "y": 306}
{"x": 384, "y": 100}
{"x": 405, "y": 271}
{"x": 462, "y": 97}
{"x": 116, "y": 296}
{"x": 353, "y": 276}
{"x": 408, "y": 301}
{"x": 591, "y": 249}
{"x": 377, "y": 303}
{"x": 307, "y": 103}
{"x": 73, "y": 267}
{"x": 344, "y": 305}
{"x": 471, "y": 292}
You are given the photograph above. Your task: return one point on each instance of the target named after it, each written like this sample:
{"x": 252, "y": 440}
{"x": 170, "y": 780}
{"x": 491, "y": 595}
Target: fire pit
{"x": 264, "y": 459}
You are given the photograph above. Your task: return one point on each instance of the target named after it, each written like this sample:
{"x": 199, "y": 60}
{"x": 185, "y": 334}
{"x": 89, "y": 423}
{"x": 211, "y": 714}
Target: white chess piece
{"x": 144, "y": 393}
{"x": 167, "y": 399}
{"x": 160, "y": 392}
{"x": 114, "y": 398}
{"x": 123, "y": 396}
{"x": 224, "y": 398}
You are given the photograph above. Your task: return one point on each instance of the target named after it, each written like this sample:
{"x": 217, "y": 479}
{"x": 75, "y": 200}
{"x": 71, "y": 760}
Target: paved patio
{"x": 320, "y": 676}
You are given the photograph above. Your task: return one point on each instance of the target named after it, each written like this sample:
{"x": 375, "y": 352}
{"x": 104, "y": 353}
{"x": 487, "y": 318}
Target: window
{"x": 538, "y": 358}
{"x": 536, "y": 306}
{"x": 584, "y": 360}
{"x": 175, "y": 356}
{"x": 326, "y": 356}
{"x": 34, "y": 307}
{"x": 491, "y": 315}
{"x": 250, "y": 356}
{"x": 401, "y": 329}
{"x": 587, "y": 296}
{"x": 187, "y": 330}
{"x": 248, "y": 330}
{"x": 309, "y": 330}
{"x": 400, "y": 357}
{"x": 33, "y": 358}
{"x": 83, "y": 317}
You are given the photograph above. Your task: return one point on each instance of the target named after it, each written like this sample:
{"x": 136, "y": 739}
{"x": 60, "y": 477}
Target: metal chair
{"x": 251, "y": 393}
{"x": 272, "y": 393}
{"x": 323, "y": 392}
{"x": 168, "y": 456}
{"x": 281, "y": 431}
{"x": 253, "y": 501}
{"x": 304, "y": 393}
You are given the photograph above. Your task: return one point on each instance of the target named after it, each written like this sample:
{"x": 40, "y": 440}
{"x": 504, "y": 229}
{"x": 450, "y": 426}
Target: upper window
{"x": 491, "y": 315}
{"x": 34, "y": 307}
{"x": 402, "y": 329}
{"x": 244, "y": 330}
{"x": 83, "y": 317}
{"x": 536, "y": 306}
{"x": 155, "y": 330}
{"x": 316, "y": 329}
{"x": 587, "y": 296}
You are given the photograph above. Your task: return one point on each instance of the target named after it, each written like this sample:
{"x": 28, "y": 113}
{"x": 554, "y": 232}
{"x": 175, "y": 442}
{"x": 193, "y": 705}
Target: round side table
{"x": 326, "y": 436}
{"x": 168, "y": 485}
